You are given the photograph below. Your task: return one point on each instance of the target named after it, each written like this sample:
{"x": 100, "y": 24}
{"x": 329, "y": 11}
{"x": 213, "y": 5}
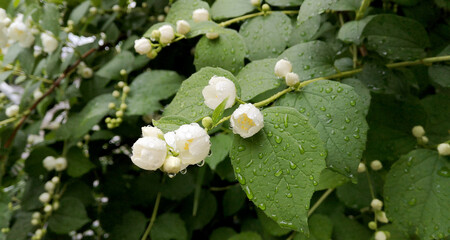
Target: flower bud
{"x": 418, "y": 131}
{"x": 12, "y": 111}
{"x": 255, "y": 3}
{"x": 44, "y": 197}
{"x": 207, "y": 122}
{"x": 116, "y": 94}
{"x": 183, "y": 27}
{"x": 48, "y": 208}
{"x": 93, "y": 10}
{"x": 212, "y": 35}
{"x": 444, "y": 149}
{"x": 37, "y": 94}
{"x": 49, "y": 187}
{"x": 161, "y": 18}
{"x": 142, "y": 46}
{"x": 372, "y": 225}
{"x": 126, "y": 89}
{"x": 111, "y": 105}
{"x": 55, "y": 180}
{"x": 167, "y": 34}
{"x": 119, "y": 114}
{"x": 38, "y": 233}
{"x": 361, "y": 167}
{"x": 123, "y": 72}
{"x": 34, "y": 222}
{"x": 380, "y": 235}
{"x": 376, "y": 204}
{"x": 149, "y": 153}
{"x": 86, "y": 72}
{"x": 381, "y": 217}
{"x": 247, "y": 120}
{"x": 121, "y": 84}
{"x": 55, "y": 205}
{"x": 219, "y": 89}
{"x": 60, "y": 164}
{"x": 265, "y": 7}
{"x": 283, "y": 67}
{"x": 200, "y": 15}
{"x": 172, "y": 165}
{"x": 49, "y": 42}
{"x": 292, "y": 79}
{"x": 152, "y": 132}
{"x": 36, "y": 215}
{"x": 155, "y": 34}
{"x": 152, "y": 54}
{"x": 49, "y": 163}
{"x": 116, "y": 8}
{"x": 376, "y": 165}
{"x": 424, "y": 140}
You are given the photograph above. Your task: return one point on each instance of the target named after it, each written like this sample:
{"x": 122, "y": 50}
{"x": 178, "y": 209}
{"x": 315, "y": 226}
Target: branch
{"x": 49, "y": 91}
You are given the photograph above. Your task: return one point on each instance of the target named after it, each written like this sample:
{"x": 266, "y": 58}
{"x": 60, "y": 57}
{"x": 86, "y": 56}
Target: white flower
{"x": 149, "y": 153}
{"x": 86, "y": 72}
{"x": 116, "y": 8}
{"x": 247, "y": 120}
{"x": 60, "y": 164}
{"x": 172, "y": 165}
{"x": 183, "y": 27}
{"x": 200, "y": 15}
{"x": 191, "y": 142}
{"x": 282, "y": 67}
{"x": 49, "y": 186}
{"x": 381, "y": 217}
{"x": 37, "y": 94}
{"x": 55, "y": 179}
{"x": 361, "y": 167}
{"x": 418, "y": 131}
{"x": 167, "y": 34}
{"x": 49, "y": 163}
{"x": 218, "y": 90}
{"x": 18, "y": 31}
{"x": 44, "y": 197}
{"x": 292, "y": 79}
{"x": 380, "y": 235}
{"x": 152, "y": 132}
{"x": 12, "y": 111}
{"x": 376, "y": 204}
{"x": 444, "y": 149}
{"x": 255, "y": 2}
{"x": 376, "y": 165}
{"x": 142, "y": 46}
{"x": 49, "y": 42}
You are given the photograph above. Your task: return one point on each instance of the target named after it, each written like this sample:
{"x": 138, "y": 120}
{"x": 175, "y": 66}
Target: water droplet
{"x": 346, "y": 138}
{"x": 315, "y": 183}
{"x": 306, "y": 67}
{"x": 302, "y": 150}
{"x": 237, "y": 169}
{"x": 292, "y": 165}
{"x": 444, "y": 171}
{"x": 262, "y": 206}
{"x": 302, "y": 110}
{"x": 356, "y": 136}
{"x": 240, "y": 178}
{"x": 201, "y": 163}
{"x": 412, "y": 202}
{"x": 328, "y": 90}
{"x": 278, "y": 173}
{"x": 270, "y": 134}
{"x": 347, "y": 120}
{"x": 352, "y": 102}
{"x": 183, "y": 171}
{"x": 323, "y": 108}
{"x": 241, "y": 148}
{"x": 249, "y": 163}
{"x": 311, "y": 177}
{"x": 248, "y": 192}
{"x": 278, "y": 139}
{"x": 289, "y": 195}
{"x": 261, "y": 155}
{"x": 340, "y": 89}
{"x": 171, "y": 175}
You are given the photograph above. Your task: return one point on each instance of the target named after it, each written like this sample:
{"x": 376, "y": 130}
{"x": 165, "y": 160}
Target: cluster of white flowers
{"x": 51, "y": 163}
{"x": 171, "y": 152}
{"x": 283, "y": 69}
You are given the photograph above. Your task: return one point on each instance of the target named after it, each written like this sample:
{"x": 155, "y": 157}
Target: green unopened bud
{"x": 255, "y": 3}
{"x": 265, "y": 7}
{"x": 123, "y": 72}
{"x": 207, "y": 122}
{"x": 119, "y": 113}
{"x": 152, "y": 54}
{"x": 111, "y": 105}
{"x": 116, "y": 94}
{"x": 155, "y": 34}
{"x": 212, "y": 35}
{"x": 372, "y": 225}
{"x": 123, "y": 106}
{"x": 121, "y": 84}
{"x": 126, "y": 89}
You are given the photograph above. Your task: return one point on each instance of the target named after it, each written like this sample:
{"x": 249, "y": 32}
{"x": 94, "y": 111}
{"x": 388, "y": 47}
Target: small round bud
{"x": 255, "y": 3}
{"x": 212, "y": 35}
{"x": 372, "y": 225}
{"x": 152, "y": 54}
{"x": 34, "y": 222}
{"x": 55, "y": 205}
{"x": 37, "y": 94}
{"x": 121, "y": 84}
{"x": 166, "y": 9}
{"x": 265, "y": 7}
{"x": 60, "y": 164}
{"x": 155, "y": 34}
{"x": 418, "y": 131}
{"x": 116, "y": 8}
{"x": 110, "y": 125}
{"x": 48, "y": 208}
{"x": 167, "y": 34}
{"x": 123, "y": 106}
{"x": 86, "y": 72}
{"x": 119, "y": 113}
{"x": 79, "y": 144}
{"x": 36, "y": 215}
{"x": 87, "y": 137}
{"x": 49, "y": 163}
{"x": 376, "y": 165}
{"x": 183, "y": 27}
{"x": 200, "y": 15}
{"x": 361, "y": 167}
{"x": 49, "y": 187}
{"x": 38, "y": 233}
{"x": 123, "y": 72}
{"x": 292, "y": 79}
{"x": 207, "y": 122}
{"x": 111, "y": 105}
{"x": 380, "y": 235}
{"x": 144, "y": 5}
{"x": 93, "y": 10}
{"x": 108, "y": 120}
{"x": 172, "y": 165}
{"x": 55, "y": 180}
{"x": 424, "y": 140}
{"x": 282, "y": 67}
{"x": 161, "y": 18}
{"x": 126, "y": 89}
{"x": 444, "y": 149}
{"x": 376, "y": 204}
{"x": 116, "y": 94}
{"x": 70, "y": 23}
{"x": 119, "y": 120}
{"x": 44, "y": 197}
{"x": 381, "y": 217}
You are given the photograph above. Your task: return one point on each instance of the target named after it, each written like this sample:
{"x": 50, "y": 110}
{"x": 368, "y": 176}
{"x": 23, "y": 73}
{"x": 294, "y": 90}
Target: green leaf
{"x": 260, "y": 72}
{"x": 189, "y": 101}
{"x": 305, "y": 31}
{"x": 361, "y": 90}
{"x": 222, "y": 233}
{"x": 200, "y": 28}
{"x": 348, "y": 229}
{"x": 395, "y": 231}
{"x": 78, "y": 163}
{"x": 178, "y": 187}
{"x": 81, "y": 191}
{"x": 220, "y": 146}
{"x": 320, "y": 227}
{"x": 30, "y": 198}
{"x": 156, "y": 26}
{"x": 218, "y": 112}
{"x": 233, "y": 200}
{"x": 131, "y": 227}
{"x": 311, "y": 8}
{"x": 311, "y": 59}
{"x": 21, "y": 227}
{"x": 170, "y": 123}
{"x": 266, "y": 36}
{"x": 438, "y": 122}
{"x": 330, "y": 179}
{"x": 358, "y": 195}
{"x": 351, "y": 31}
{"x": 396, "y": 37}
{"x": 439, "y": 72}
{"x": 415, "y": 194}
{"x": 78, "y": 12}
{"x": 346, "y": 5}
{"x": 50, "y": 18}
{"x": 205, "y": 213}
{"x": 149, "y": 88}
{"x": 246, "y": 236}
{"x": 70, "y": 216}
{"x": 182, "y": 10}
{"x": 223, "y": 9}
{"x": 284, "y": 3}
{"x": 337, "y": 112}
{"x": 80, "y": 123}
{"x": 169, "y": 226}
{"x": 227, "y": 51}
{"x": 406, "y": 2}
{"x": 111, "y": 70}
{"x": 270, "y": 225}
{"x": 33, "y": 164}
{"x": 278, "y": 167}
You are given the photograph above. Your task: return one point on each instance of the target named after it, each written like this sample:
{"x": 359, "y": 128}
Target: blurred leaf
{"x": 70, "y": 216}
{"x": 111, "y": 70}
{"x": 78, "y": 163}
{"x": 220, "y": 146}
{"x": 233, "y": 200}
{"x": 131, "y": 227}
{"x": 169, "y": 226}
{"x": 50, "y": 18}
{"x": 183, "y": 9}
{"x": 311, "y": 8}
{"x": 170, "y": 123}
{"x": 223, "y": 9}
{"x": 246, "y": 236}
{"x": 78, "y": 12}
{"x": 222, "y": 233}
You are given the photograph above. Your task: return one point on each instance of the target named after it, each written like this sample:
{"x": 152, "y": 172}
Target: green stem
{"x": 320, "y": 201}
{"x": 362, "y": 9}
{"x": 198, "y": 190}
{"x": 154, "y": 213}
{"x": 6, "y": 121}
{"x": 252, "y": 15}
{"x": 272, "y": 98}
